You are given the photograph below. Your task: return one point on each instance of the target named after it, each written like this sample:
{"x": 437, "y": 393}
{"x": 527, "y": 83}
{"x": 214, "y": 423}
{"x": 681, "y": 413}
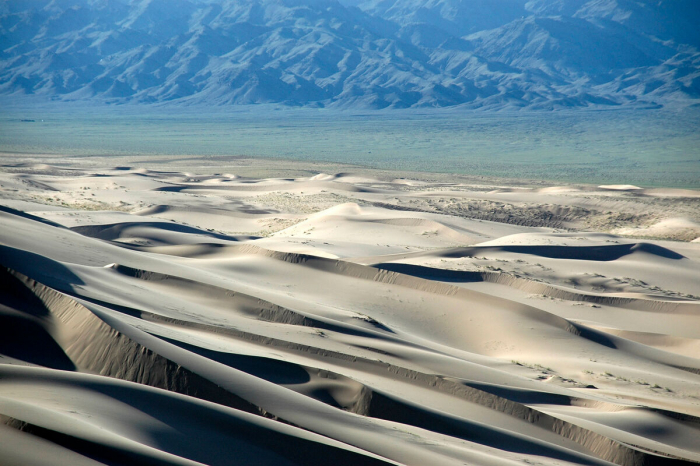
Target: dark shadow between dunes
{"x": 22, "y": 214}
{"x": 37, "y": 267}
{"x": 385, "y": 407}
{"x": 272, "y": 370}
{"x": 588, "y": 253}
{"x": 110, "y": 232}
{"x": 430, "y": 273}
{"x": 25, "y": 327}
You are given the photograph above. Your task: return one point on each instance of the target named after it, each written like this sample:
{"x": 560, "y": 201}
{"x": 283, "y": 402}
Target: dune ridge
{"x": 332, "y": 330}
{"x": 110, "y": 353}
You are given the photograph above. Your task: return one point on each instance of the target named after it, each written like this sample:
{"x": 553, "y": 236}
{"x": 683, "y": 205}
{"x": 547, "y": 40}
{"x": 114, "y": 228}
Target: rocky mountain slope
{"x": 354, "y": 53}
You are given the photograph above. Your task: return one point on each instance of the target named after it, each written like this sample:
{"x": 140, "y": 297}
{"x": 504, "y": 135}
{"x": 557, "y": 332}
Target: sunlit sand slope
{"x": 344, "y": 320}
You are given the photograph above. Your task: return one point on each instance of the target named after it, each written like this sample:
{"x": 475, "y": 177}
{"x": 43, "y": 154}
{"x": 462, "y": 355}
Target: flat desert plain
{"x": 270, "y": 313}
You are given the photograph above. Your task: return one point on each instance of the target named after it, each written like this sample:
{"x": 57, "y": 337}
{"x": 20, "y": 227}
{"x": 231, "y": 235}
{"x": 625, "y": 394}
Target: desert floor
{"x": 235, "y": 311}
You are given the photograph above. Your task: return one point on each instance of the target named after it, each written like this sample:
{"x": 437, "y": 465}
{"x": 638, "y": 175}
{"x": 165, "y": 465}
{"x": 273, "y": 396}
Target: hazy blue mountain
{"x": 457, "y": 17}
{"x": 354, "y": 53}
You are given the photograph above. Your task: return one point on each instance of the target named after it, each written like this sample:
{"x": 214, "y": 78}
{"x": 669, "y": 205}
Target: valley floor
{"x": 237, "y": 311}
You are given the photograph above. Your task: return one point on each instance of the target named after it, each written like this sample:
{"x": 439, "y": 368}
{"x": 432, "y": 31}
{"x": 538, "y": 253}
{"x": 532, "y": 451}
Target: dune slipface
{"x": 159, "y": 317}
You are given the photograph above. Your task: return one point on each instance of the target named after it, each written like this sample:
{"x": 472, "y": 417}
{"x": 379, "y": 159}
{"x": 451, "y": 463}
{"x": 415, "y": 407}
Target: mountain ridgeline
{"x": 493, "y": 54}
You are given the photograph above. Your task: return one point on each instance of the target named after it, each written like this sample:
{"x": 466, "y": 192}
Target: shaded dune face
{"x": 130, "y": 338}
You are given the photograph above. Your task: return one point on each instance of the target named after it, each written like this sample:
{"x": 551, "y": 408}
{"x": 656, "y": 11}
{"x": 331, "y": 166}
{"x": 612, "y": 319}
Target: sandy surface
{"x": 245, "y": 312}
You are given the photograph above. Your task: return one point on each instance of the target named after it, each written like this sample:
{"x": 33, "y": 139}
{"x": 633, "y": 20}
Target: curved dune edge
{"x": 97, "y": 347}
{"x": 387, "y": 273}
{"x": 273, "y": 313}
{"x": 650, "y": 304}
{"x": 683, "y": 346}
{"x": 638, "y": 304}
{"x": 341, "y": 320}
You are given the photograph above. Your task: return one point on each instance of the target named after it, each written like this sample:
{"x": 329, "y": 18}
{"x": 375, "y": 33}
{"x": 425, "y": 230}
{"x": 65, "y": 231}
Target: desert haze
{"x": 188, "y": 316}
{"x": 504, "y": 54}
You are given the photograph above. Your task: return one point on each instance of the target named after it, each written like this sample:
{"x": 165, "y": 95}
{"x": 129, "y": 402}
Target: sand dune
{"x": 185, "y": 318}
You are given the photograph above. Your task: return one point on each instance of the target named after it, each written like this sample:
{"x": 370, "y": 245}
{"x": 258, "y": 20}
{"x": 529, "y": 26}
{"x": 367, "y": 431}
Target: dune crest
{"x": 178, "y": 317}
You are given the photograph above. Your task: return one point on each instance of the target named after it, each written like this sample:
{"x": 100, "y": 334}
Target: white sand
{"x": 162, "y": 316}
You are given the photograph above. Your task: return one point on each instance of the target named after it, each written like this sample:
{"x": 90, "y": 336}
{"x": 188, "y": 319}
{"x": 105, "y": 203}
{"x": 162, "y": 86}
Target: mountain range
{"x": 493, "y": 54}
